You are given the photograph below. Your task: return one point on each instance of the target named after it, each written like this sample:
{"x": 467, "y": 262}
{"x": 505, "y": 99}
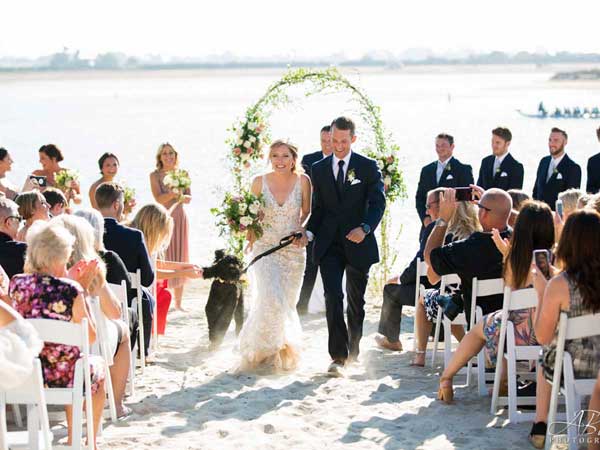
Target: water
{"x": 131, "y": 113}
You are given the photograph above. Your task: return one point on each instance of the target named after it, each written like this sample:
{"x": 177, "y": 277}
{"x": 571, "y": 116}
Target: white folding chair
{"x": 120, "y": 291}
{"x": 73, "y": 334}
{"x": 136, "y": 283}
{"x": 446, "y": 281}
{"x": 514, "y": 300}
{"x": 569, "y": 329}
{"x": 31, "y": 393}
{"x": 421, "y": 272}
{"x": 155, "y": 310}
{"x": 102, "y": 347}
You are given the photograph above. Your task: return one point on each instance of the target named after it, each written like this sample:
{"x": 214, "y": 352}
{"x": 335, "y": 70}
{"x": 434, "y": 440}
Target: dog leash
{"x": 283, "y": 242}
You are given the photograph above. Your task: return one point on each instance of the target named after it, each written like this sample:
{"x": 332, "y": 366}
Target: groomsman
{"x": 447, "y": 171}
{"x": 500, "y": 170}
{"x": 556, "y": 172}
{"x": 593, "y": 171}
{"x": 311, "y": 269}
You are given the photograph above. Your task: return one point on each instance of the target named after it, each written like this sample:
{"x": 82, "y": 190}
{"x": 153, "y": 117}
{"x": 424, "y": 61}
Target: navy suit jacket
{"x": 456, "y": 174}
{"x": 308, "y": 160}
{"x": 129, "y": 244}
{"x": 333, "y": 216}
{"x": 510, "y": 175}
{"x": 12, "y": 255}
{"x": 593, "y": 174}
{"x": 566, "y": 176}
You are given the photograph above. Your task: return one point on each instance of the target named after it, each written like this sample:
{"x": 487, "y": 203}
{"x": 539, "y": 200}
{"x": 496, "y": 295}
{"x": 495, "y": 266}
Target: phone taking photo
{"x": 464, "y": 194}
{"x": 38, "y": 180}
{"x": 541, "y": 258}
{"x": 560, "y": 208}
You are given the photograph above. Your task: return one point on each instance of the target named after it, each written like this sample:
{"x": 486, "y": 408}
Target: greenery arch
{"x": 251, "y": 134}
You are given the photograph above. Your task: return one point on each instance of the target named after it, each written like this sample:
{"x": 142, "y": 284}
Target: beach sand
{"x": 193, "y": 399}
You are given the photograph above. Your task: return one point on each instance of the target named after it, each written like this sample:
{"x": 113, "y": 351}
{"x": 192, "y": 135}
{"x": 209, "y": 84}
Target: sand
{"x": 193, "y": 399}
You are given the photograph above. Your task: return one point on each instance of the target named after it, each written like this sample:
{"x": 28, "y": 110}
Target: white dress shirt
{"x": 441, "y": 165}
{"x": 554, "y": 162}
{"x": 336, "y": 167}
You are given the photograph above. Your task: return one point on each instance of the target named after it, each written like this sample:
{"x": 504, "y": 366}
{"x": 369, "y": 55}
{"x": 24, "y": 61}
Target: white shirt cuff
{"x": 310, "y": 236}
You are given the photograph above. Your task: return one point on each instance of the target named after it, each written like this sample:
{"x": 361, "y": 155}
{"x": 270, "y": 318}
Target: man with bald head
{"x": 475, "y": 256}
{"x": 12, "y": 253}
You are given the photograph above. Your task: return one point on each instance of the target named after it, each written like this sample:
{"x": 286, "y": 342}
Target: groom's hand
{"x": 357, "y": 235}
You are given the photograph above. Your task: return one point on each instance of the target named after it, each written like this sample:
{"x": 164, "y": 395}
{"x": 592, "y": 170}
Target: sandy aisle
{"x": 193, "y": 400}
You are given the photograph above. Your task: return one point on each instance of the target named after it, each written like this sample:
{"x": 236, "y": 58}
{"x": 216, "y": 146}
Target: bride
{"x": 271, "y": 335}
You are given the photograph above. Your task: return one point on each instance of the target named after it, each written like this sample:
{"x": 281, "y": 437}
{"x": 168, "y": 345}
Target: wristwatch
{"x": 441, "y": 223}
{"x": 366, "y": 228}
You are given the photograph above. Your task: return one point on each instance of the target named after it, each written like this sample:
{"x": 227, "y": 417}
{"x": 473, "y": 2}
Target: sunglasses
{"x": 483, "y": 207}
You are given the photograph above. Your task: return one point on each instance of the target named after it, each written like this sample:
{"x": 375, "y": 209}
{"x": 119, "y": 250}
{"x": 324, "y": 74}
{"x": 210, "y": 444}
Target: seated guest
{"x": 12, "y": 252}
{"x": 6, "y": 187}
{"x": 129, "y": 244}
{"x": 574, "y": 291}
{"x": 475, "y": 256}
{"x": 401, "y": 290}
{"x": 32, "y": 207}
{"x": 570, "y": 199}
{"x": 518, "y": 198}
{"x": 463, "y": 223}
{"x": 56, "y": 200}
{"x": 118, "y": 333}
{"x": 45, "y": 292}
{"x": 584, "y": 200}
{"x": 534, "y": 230}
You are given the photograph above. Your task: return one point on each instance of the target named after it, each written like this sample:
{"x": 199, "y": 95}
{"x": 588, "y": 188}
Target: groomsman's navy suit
{"x": 456, "y": 174}
{"x": 566, "y": 175}
{"x": 311, "y": 269}
{"x": 509, "y": 176}
{"x": 335, "y": 212}
{"x": 593, "y": 174}
{"x": 129, "y": 244}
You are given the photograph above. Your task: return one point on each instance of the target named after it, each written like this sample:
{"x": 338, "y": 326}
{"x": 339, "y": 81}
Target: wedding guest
{"x": 593, "y": 171}
{"x": 519, "y": 197}
{"x": 167, "y": 159}
{"x": 400, "y": 290}
{"x": 32, "y": 207}
{"x": 500, "y": 170}
{"x": 6, "y": 187}
{"x": 109, "y": 167}
{"x": 464, "y": 223}
{"x": 129, "y": 244}
{"x": 12, "y": 252}
{"x": 117, "y": 331}
{"x": 570, "y": 199}
{"x": 447, "y": 171}
{"x": 311, "y": 270}
{"x": 49, "y": 291}
{"x": 534, "y": 230}
{"x": 50, "y": 159}
{"x": 556, "y": 172}
{"x": 574, "y": 291}
{"x": 57, "y": 202}
{"x": 584, "y": 200}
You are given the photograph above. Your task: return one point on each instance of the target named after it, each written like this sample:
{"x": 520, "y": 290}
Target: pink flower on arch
{"x": 237, "y": 151}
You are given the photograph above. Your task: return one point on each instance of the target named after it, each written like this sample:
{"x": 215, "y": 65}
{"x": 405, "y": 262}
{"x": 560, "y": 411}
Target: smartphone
{"x": 559, "y": 208}
{"x": 38, "y": 180}
{"x": 464, "y": 194}
{"x": 542, "y": 262}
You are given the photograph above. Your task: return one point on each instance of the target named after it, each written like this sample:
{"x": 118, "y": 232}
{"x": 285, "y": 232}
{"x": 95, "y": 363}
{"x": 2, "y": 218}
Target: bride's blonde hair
{"x": 293, "y": 150}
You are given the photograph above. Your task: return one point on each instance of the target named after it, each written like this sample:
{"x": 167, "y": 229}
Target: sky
{"x": 263, "y": 28}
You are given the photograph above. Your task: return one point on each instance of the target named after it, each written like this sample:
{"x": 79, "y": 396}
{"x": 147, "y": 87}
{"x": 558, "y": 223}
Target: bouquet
{"x": 65, "y": 179}
{"x": 240, "y": 214}
{"x": 178, "y": 180}
{"x": 128, "y": 198}
{"x": 390, "y": 174}
{"x": 248, "y": 139}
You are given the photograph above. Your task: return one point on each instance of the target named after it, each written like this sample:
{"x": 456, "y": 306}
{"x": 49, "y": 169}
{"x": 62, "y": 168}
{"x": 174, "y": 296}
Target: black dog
{"x": 226, "y": 297}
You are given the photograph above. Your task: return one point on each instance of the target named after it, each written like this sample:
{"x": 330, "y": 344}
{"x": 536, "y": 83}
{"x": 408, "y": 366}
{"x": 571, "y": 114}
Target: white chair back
{"x": 421, "y": 271}
{"x": 445, "y": 281}
{"x": 136, "y": 283}
{"x": 120, "y": 291}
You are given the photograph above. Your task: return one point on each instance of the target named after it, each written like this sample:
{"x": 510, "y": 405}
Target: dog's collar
{"x": 221, "y": 280}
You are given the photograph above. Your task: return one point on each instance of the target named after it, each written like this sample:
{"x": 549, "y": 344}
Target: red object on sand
{"x": 163, "y": 300}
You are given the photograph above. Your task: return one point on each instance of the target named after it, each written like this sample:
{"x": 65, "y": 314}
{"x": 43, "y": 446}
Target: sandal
{"x": 414, "y": 362}
{"x": 446, "y": 392}
{"x": 537, "y": 436}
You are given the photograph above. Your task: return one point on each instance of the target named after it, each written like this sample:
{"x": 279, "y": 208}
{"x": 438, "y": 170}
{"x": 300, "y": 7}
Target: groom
{"x": 348, "y": 203}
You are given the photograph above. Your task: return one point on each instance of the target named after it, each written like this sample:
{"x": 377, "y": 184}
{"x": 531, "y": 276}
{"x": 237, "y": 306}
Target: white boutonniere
{"x": 559, "y": 176}
{"x": 503, "y": 174}
{"x": 351, "y": 176}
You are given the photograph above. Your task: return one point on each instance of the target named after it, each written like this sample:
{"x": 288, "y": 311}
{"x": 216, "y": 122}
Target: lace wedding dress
{"x": 271, "y": 336}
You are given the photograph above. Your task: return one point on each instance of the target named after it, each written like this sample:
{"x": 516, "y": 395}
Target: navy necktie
{"x": 340, "y": 177}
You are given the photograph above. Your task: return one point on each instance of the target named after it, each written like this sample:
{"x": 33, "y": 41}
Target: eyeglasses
{"x": 483, "y": 207}
{"x": 19, "y": 218}
{"x": 429, "y": 205}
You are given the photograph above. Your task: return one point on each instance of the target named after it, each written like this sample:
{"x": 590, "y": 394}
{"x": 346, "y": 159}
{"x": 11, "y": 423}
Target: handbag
{"x": 452, "y": 304}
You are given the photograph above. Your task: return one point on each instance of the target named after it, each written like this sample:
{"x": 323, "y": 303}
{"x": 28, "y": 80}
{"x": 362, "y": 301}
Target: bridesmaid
{"x": 109, "y": 166}
{"x": 178, "y": 250}
{"x": 6, "y": 187}
{"x": 50, "y": 158}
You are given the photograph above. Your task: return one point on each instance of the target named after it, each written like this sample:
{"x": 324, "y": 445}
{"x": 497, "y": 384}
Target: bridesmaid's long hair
{"x": 161, "y": 147}
{"x": 293, "y": 150}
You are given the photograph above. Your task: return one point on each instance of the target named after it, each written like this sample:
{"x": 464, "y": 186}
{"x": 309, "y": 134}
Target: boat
{"x": 565, "y": 113}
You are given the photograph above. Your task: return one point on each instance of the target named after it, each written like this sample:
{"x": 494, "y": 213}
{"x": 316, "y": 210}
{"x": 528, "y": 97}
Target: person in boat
{"x": 542, "y": 110}
{"x": 557, "y": 113}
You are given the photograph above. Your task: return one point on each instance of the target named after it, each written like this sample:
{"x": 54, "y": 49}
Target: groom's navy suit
{"x": 334, "y": 215}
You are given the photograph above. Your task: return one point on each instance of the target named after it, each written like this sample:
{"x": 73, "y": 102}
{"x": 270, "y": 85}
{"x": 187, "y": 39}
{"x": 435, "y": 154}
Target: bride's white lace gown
{"x": 272, "y": 334}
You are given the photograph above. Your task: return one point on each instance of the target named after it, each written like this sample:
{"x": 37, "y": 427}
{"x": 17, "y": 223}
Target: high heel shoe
{"x": 446, "y": 393}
